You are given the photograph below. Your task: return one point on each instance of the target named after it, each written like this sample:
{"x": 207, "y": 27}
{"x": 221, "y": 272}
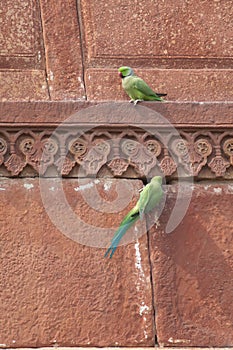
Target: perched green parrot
{"x": 150, "y": 196}
{"x": 136, "y": 87}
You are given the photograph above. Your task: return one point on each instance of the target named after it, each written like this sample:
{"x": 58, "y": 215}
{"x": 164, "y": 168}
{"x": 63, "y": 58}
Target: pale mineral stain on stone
{"x": 138, "y": 262}
{"x": 2, "y": 189}
{"x": 178, "y": 341}
{"x": 39, "y": 56}
{"x": 86, "y": 186}
{"x": 28, "y": 186}
{"x": 218, "y": 190}
{"x": 107, "y": 185}
{"x": 81, "y": 82}
{"x": 145, "y": 334}
{"x": 51, "y": 76}
{"x": 143, "y": 309}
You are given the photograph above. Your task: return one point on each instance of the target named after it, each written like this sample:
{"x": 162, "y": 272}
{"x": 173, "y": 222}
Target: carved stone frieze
{"x": 120, "y": 151}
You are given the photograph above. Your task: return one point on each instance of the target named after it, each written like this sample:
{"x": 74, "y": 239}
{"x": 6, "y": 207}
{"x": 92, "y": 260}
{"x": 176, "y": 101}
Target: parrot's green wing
{"x": 144, "y": 200}
{"x": 142, "y": 86}
{"x": 150, "y": 196}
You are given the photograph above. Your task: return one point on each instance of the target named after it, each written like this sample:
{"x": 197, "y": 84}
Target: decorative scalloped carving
{"x": 118, "y": 166}
{"x": 142, "y": 159}
{"x": 15, "y": 164}
{"x": 168, "y": 166}
{"x": 96, "y": 157}
{"x": 64, "y": 165}
{"x": 219, "y": 165}
{"x": 3, "y": 149}
{"x": 117, "y": 150}
{"x": 228, "y": 149}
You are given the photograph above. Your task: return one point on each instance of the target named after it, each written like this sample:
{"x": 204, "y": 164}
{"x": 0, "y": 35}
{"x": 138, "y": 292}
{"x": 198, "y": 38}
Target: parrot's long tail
{"x": 124, "y": 226}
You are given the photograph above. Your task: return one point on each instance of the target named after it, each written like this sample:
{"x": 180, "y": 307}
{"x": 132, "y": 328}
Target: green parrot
{"x": 136, "y": 88}
{"x": 150, "y": 196}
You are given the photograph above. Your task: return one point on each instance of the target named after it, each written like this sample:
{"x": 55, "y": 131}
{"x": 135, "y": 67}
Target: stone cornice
{"x": 116, "y": 139}
{"x": 178, "y": 113}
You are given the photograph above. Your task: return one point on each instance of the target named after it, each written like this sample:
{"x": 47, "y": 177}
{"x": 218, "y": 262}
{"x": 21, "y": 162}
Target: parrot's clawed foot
{"x": 136, "y": 101}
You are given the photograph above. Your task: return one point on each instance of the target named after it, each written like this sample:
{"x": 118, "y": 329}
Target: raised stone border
{"x": 124, "y": 140}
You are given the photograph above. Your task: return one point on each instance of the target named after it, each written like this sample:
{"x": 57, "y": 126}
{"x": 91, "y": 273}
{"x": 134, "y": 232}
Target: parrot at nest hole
{"x": 150, "y": 196}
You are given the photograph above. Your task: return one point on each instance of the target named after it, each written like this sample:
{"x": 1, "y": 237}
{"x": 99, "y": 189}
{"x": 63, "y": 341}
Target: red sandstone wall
{"x": 55, "y": 291}
{"x": 56, "y": 50}
{"x": 168, "y": 289}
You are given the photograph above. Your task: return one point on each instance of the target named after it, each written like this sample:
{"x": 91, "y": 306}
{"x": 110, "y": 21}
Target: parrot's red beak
{"x": 120, "y": 74}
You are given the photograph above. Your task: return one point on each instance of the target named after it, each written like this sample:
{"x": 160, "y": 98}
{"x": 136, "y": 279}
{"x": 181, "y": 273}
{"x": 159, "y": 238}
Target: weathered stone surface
{"x": 182, "y": 49}
{"x": 180, "y": 85}
{"x": 193, "y": 269}
{"x": 23, "y": 85}
{"x": 55, "y": 291}
{"x": 62, "y": 49}
{"x": 22, "y": 75}
{"x": 21, "y": 43}
{"x": 218, "y": 114}
{"x": 157, "y": 32}
{"x": 22, "y": 51}
{"x": 116, "y": 348}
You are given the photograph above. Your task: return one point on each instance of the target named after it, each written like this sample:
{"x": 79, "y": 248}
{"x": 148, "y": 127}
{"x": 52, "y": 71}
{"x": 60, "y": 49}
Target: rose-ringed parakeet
{"x": 150, "y": 196}
{"x": 137, "y": 88}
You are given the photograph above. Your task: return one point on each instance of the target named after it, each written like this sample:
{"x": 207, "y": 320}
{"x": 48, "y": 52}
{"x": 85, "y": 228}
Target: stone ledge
{"x": 214, "y": 114}
{"x": 120, "y": 348}
{"x": 117, "y": 139}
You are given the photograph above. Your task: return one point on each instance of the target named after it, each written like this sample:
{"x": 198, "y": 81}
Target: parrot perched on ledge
{"x": 137, "y": 88}
{"x": 150, "y": 196}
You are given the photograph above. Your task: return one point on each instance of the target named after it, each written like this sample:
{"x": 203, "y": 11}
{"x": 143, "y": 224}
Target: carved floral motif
{"x": 15, "y": 164}
{"x": 168, "y": 166}
{"x": 139, "y": 156}
{"x": 228, "y": 149}
{"x": 117, "y": 150}
{"x": 3, "y": 149}
{"x": 219, "y": 165}
{"x": 118, "y": 166}
{"x": 96, "y": 157}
